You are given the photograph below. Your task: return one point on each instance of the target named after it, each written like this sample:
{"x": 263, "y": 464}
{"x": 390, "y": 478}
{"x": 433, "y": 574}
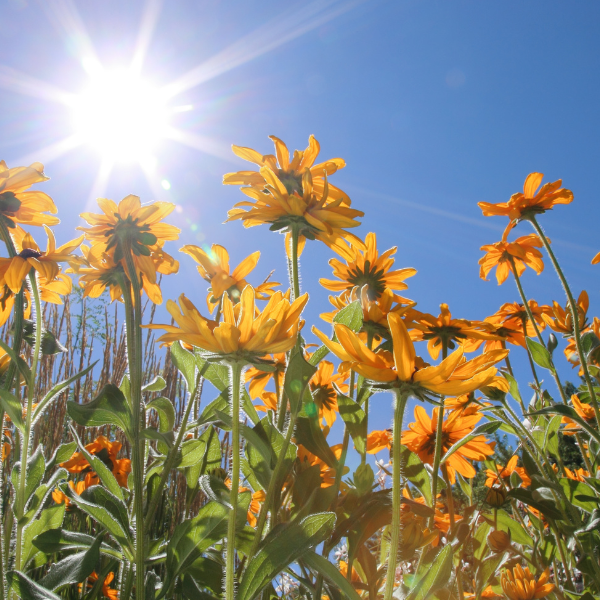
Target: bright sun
{"x": 121, "y": 116}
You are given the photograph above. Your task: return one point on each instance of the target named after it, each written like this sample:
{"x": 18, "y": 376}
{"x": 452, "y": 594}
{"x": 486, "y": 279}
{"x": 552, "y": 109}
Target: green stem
{"x": 295, "y": 276}
{"x": 449, "y": 496}
{"x": 574, "y": 315}
{"x": 26, "y": 439}
{"x": 531, "y": 363}
{"x": 401, "y": 399}
{"x": 133, "y": 323}
{"x": 236, "y": 375}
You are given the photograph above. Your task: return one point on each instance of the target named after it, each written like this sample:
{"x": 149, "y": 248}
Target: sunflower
{"x": 444, "y": 330}
{"x": 107, "y": 591}
{"x": 368, "y": 268}
{"x": 13, "y": 271}
{"x": 242, "y": 334}
{"x": 498, "y": 476}
{"x": 213, "y": 266}
{"x": 288, "y": 172}
{"x": 107, "y": 452}
{"x": 523, "y": 252}
{"x": 17, "y": 204}
{"x": 420, "y": 438}
{"x": 520, "y": 584}
{"x": 312, "y": 216}
{"x": 323, "y": 392}
{"x": 560, "y": 319}
{"x": 531, "y": 201}
{"x": 453, "y": 376}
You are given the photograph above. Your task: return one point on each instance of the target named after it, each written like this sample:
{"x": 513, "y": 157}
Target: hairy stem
{"x": 437, "y": 457}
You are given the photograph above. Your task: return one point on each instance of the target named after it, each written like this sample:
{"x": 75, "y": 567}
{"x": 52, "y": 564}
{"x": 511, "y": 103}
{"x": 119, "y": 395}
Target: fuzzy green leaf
{"x": 27, "y": 589}
{"x": 297, "y": 376}
{"x": 539, "y": 353}
{"x": 436, "y": 576}
{"x": 330, "y": 573}
{"x": 355, "y": 419}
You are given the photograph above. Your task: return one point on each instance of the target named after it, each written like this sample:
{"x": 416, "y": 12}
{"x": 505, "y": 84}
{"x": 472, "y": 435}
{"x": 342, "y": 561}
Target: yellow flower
{"x": 585, "y": 411}
{"x": 306, "y": 459}
{"x": 243, "y": 333}
{"x": 379, "y": 440}
{"x": 17, "y": 204}
{"x": 559, "y": 319}
{"x": 323, "y": 392}
{"x": 445, "y": 329}
{"x": 290, "y": 173}
{"x": 453, "y": 376}
{"x": 214, "y": 268}
{"x": 259, "y": 379}
{"x": 315, "y": 217}
{"x": 13, "y": 271}
{"x": 368, "y": 268}
{"x": 522, "y": 585}
{"x": 523, "y": 252}
{"x": 501, "y": 473}
{"x": 421, "y": 439}
{"x": 258, "y": 498}
{"x": 107, "y": 591}
{"x": 270, "y": 402}
{"x": 529, "y": 203}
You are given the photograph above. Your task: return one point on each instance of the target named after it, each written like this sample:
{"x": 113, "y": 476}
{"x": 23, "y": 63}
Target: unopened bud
{"x": 498, "y": 541}
{"x": 496, "y": 496}
{"x": 552, "y": 343}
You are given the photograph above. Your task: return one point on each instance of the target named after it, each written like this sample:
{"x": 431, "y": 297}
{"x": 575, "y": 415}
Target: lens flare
{"x": 120, "y": 115}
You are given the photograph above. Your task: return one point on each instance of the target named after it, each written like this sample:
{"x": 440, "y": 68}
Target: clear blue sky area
{"x": 434, "y": 106}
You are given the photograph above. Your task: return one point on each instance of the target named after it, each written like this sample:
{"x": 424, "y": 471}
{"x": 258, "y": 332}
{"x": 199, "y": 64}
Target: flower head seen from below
{"x": 324, "y": 393}
{"x": 560, "y": 319}
{"x": 403, "y": 369}
{"x": 214, "y": 268}
{"x": 444, "y": 330}
{"x": 420, "y": 438}
{"x": 583, "y": 410}
{"x": 368, "y": 268}
{"x": 523, "y": 252}
{"x": 19, "y": 204}
{"x": 242, "y": 334}
{"x": 520, "y": 584}
{"x": 289, "y": 172}
{"x": 313, "y": 216}
{"x": 531, "y": 202}
{"x": 502, "y": 474}
{"x": 107, "y": 591}
{"x": 258, "y": 380}
{"x": 514, "y": 315}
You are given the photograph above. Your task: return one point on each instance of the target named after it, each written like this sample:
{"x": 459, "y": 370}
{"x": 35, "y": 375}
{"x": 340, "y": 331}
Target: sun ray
{"x": 15, "y": 81}
{"x": 148, "y": 25}
{"x": 148, "y": 167}
{"x": 203, "y": 143}
{"x": 65, "y": 18}
{"x": 100, "y": 183}
{"x": 51, "y": 152}
{"x": 278, "y": 31}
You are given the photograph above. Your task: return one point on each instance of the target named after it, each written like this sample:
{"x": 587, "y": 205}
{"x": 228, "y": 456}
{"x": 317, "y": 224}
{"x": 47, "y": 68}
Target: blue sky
{"x": 434, "y": 106}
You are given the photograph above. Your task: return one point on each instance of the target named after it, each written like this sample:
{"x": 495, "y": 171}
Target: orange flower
{"x": 368, "y": 268}
{"x": 453, "y": 376}
{"x": 214, "y": 268}
{"x": 242, "y": 332}
{"x": 379, "y": 440}
{"x": 523, "y": 252}
{"x": 503, "y": 473}
{"x": 323, "y": 392}
{"x": 421, "y": 438}
{"x": 445, "y": 329}
{"x": 596, "y": 259}
{"x": 577, "y": 475}
{"x": 314, "y": 216}
{"x": 288, "y": 172}
{"x": 270, "y": 402}
{"x": 585, "y": 411}
{"x": 308, "y": 459}
{"x": 513, "y": 315}
{"x": 17, "y": 205}
{"x": 529, "y": 203}
{"x": 344, "y": 571}
{"x": 89, "y": 480}
{"x": 259, "y": 379}
{"x": 258, "y": 498}
{"x": 487, "y": 594}
{"x": 107, "y": 452}
{"x": 466, "y": 404}
{"x": 107, "y": 592}
{"x": 520, "y": 584}
{"x": 561, "y": 320}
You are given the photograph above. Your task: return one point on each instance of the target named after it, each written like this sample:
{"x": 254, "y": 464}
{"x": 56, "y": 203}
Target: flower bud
{"x": 496, "y": 496}
{"x": 552, "y": 343}
{"x": 498, "y": 541}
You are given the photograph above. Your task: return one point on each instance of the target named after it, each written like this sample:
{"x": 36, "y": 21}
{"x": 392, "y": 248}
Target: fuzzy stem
{"x": 133, "y": 323}
{"x": 26, "y": 439}
{"x": 401, "y": 399}
{"x": 295, "y": 276}
{"x": 531, "y": 363}
{"x": 236, "y": 375}
{"x": 574, "y": 315}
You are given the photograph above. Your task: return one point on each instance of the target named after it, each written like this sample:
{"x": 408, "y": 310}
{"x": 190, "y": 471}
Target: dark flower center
{"x": 29, "y": 253}
{"x": 370, "y": 276}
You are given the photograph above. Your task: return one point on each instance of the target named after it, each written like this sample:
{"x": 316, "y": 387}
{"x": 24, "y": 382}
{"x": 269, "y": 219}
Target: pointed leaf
{"x": 330, "y": 573}
{"x": 166, "y": 413}
{"x": 436, "y": 576}
{"x": 13, "y": 408}
{"x": 539, "y": 353}
{"x": 27, "y": 589}
{"x": 158, "y": 384}
{"x": 186, "y": 364}
{"x": 355, "y": 419}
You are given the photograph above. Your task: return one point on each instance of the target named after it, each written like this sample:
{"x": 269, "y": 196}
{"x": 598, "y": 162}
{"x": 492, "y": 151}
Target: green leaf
{"x": 158, "y": 384}
{"x": 191, "y": 538}
{"x": 571, "y": 413}
{"x": 166, "y": 413}
{"x": 415, "y": 471}
{"x": 318, "y": 355}
{"x": 108, "y": 510}
{"x": 547, "y": 508}
{"x": 211, "y": 458}
{"x": 186, "y": 364}
{"x": 36, "y": 467}
{"x": 13, "y": 408}
{"x": 436, "y": 576}
{"x": 57, "y": 390}
{"x": 209, "y": 413}
{"x": 580, "y": 494}
{"x": 74, "y": 568}
{"x": 282, "y": 546}
{"x": 539, "y": 353}
{"x": 28, "y": 589}
{"x": 108, "y": 408}
{"x": 513, "y": 387}
{"x": 484, "y": 428}
{"x": 551, "y": 436}
{"x": 15, "y": 358}
{"x": 251, "y": 435}
{"x": 190, "y": 453}
{"x": 50, "y": 518}
{"x": 310, "y": 435}
{"x": 297, "y": 376}
{"x": 56, "y": 540}
{"x": 506, "y": 523}
{"x": 330, "y": 573}
{"x": 61, "y": 454}
{"x": 39, "y": 496}
{"x": 351, "y": 316}
{"x": 355, "y": 419}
